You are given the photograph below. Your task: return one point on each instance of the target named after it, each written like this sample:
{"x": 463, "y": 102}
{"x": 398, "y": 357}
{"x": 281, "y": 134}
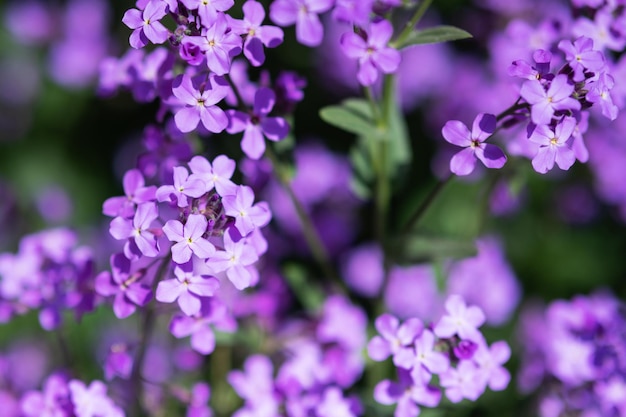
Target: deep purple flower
{"x": 541, "y": 69}
{"x": 189, "y": 238}
{"x": 372, "y": 51}
{"x": 135, "y": 193}
{"x": 257, "y": 125}
{"x": 257, "y": 34}
{"x": 127, "y": 287}
{"x": 146, "y": 24}
{"x": 458, "y": 134}
{"x": 199, "y": 102}
{"x": 304, "y": 13}
{"x": 545, "y": 103}
{"x": 188, "y": 287}
{"x": 556, "y": 146}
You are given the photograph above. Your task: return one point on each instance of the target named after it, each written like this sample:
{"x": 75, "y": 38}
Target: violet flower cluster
{"x": 451, "y": 348}
{"x": 572, "y": 356}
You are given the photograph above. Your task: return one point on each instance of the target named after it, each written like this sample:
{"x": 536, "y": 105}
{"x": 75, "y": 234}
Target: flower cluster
{"x": 452, "y": 348}
{"x": 321, "y": 359}
{"x": 48, "y": 274}
{"x": 572, "y": 353}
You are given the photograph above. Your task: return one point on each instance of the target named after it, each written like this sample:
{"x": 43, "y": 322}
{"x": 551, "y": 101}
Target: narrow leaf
{"x": 435, "y": 34}
{"x": 347, "y": 119}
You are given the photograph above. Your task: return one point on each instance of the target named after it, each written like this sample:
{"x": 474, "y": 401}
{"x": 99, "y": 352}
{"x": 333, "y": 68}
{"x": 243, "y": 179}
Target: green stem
{"x": 418, "y": 214}
{"x": 308, "y": 228}
{"x": 410, "y": 26}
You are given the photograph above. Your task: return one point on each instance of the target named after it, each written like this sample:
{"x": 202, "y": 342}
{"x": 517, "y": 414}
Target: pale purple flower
{"x": 216, "y": 175}
{"x": 460, "y": 319}
{"x": 138, "y": 229}
{"x": 188, "y": 287}
{"x": 304, "y": 14}
{"x": 581, "y": 56}
{"x": 199, "y": 100}
{"x": 127, "y": 287}
{"x": 490, "y": 361}
{"x": 363, "y": 270}
{"x": 395, "y": 339}
{"x": 257, "y": 34}
{"x": 427, "y": 360}
{"x": 199, "y": 326}
{"x": 463, "y": 162}
{"x": 356, "y": 12}
{"x": 146, "y": 24}
{"x": 52, "y": 401}
{"x": 234, "y": 259}
{"x": 199, "y": 401}
{"x": 189, "y": 238}
{"x": 247, "y": 216}
{"x": 372, "y": 51}
{"x": 219, "y": 45}
{"x": 208, "y": 10}
{"x": 184, "y": 186}
{"x": 92, "y": 400}
{"x": 556, "y": 146}
{"x": 135, "y": 193}
{"x": 600, "y": 92}
{"x": 256, "y": 125}
{"x": 464, "y": 381}
{"x": 545, "y": 103}
{"x": 334, "y": 404}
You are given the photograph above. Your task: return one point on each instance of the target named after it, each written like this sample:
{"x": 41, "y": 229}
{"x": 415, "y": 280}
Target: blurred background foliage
{"x": 70, "y": 140}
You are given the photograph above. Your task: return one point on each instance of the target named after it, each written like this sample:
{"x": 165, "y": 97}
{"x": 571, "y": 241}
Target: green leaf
{"x": 435, "y": 34}
{"x": 400, "y": 153}
{"x": 348, "y": 118}
{"x": 428, "y": 248}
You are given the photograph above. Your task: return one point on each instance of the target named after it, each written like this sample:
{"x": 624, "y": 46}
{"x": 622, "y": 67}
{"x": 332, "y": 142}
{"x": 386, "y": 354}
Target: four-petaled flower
{"x": 188, "y": 288}
{"x": 145, "y": 24}
{"x": 464, "y": 162}
{"x": 256, "y": 125}
{"x": 373, "y": 52}
{"x": 189, "y": 238}
{"x": 556, "y": 146}
{"x": 199, "y": 103}
{"x": 545, "y": 102}
{"x": 304, "y": 13}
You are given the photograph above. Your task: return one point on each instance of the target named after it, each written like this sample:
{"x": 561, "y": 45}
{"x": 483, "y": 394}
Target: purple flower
{"x": 184, "y": 186}
{"x": 541, "y": 70}
{"x": 234, "y": 259}
{"x": 257, "y": 34}
{"x": 200, "y": 103}
{"x": 256, "y": 125}
{"x": 545, "y": 103}
{"x": 255, "y": 384}
{"x": 187, "y": 288}
{"x": 460, "y": 319}
{"x": 581, "y": 56}
{"x": 138, "y": 229}
{"x": 600, "y": 92}
{"x": 219, "y": 45}
{"x": 463, "y": 163}
{"x": 135, "y": 193}
{"x": 127, "y": 287}
{"x": 363, "y": 270}
{"x": 490, "y": 361}
{"x": 92, "y": 401}
{"x": 372, "y": 52}
{"x": 198, "y": 403}
{"x": 395, "y": 339}
{"x": 189, "y": 238}
{"x": 406, "y": 394}
{"x": 53, "y": 401}
{"x": 356, "y": 12}
{"x": 556, "y": 146}
{"x": 427, "y": 360}
{"x": 464, "y": 381}
{"x": 146, "y": 24}
{"x": 208, "y": 10}
{"x": 216, "y": 175}
{"x": 247, "y": 216}
{"x": 304, "y": 13}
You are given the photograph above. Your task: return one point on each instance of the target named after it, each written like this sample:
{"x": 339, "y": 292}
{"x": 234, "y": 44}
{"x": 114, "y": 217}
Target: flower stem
{"x": 308, "y": 228}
